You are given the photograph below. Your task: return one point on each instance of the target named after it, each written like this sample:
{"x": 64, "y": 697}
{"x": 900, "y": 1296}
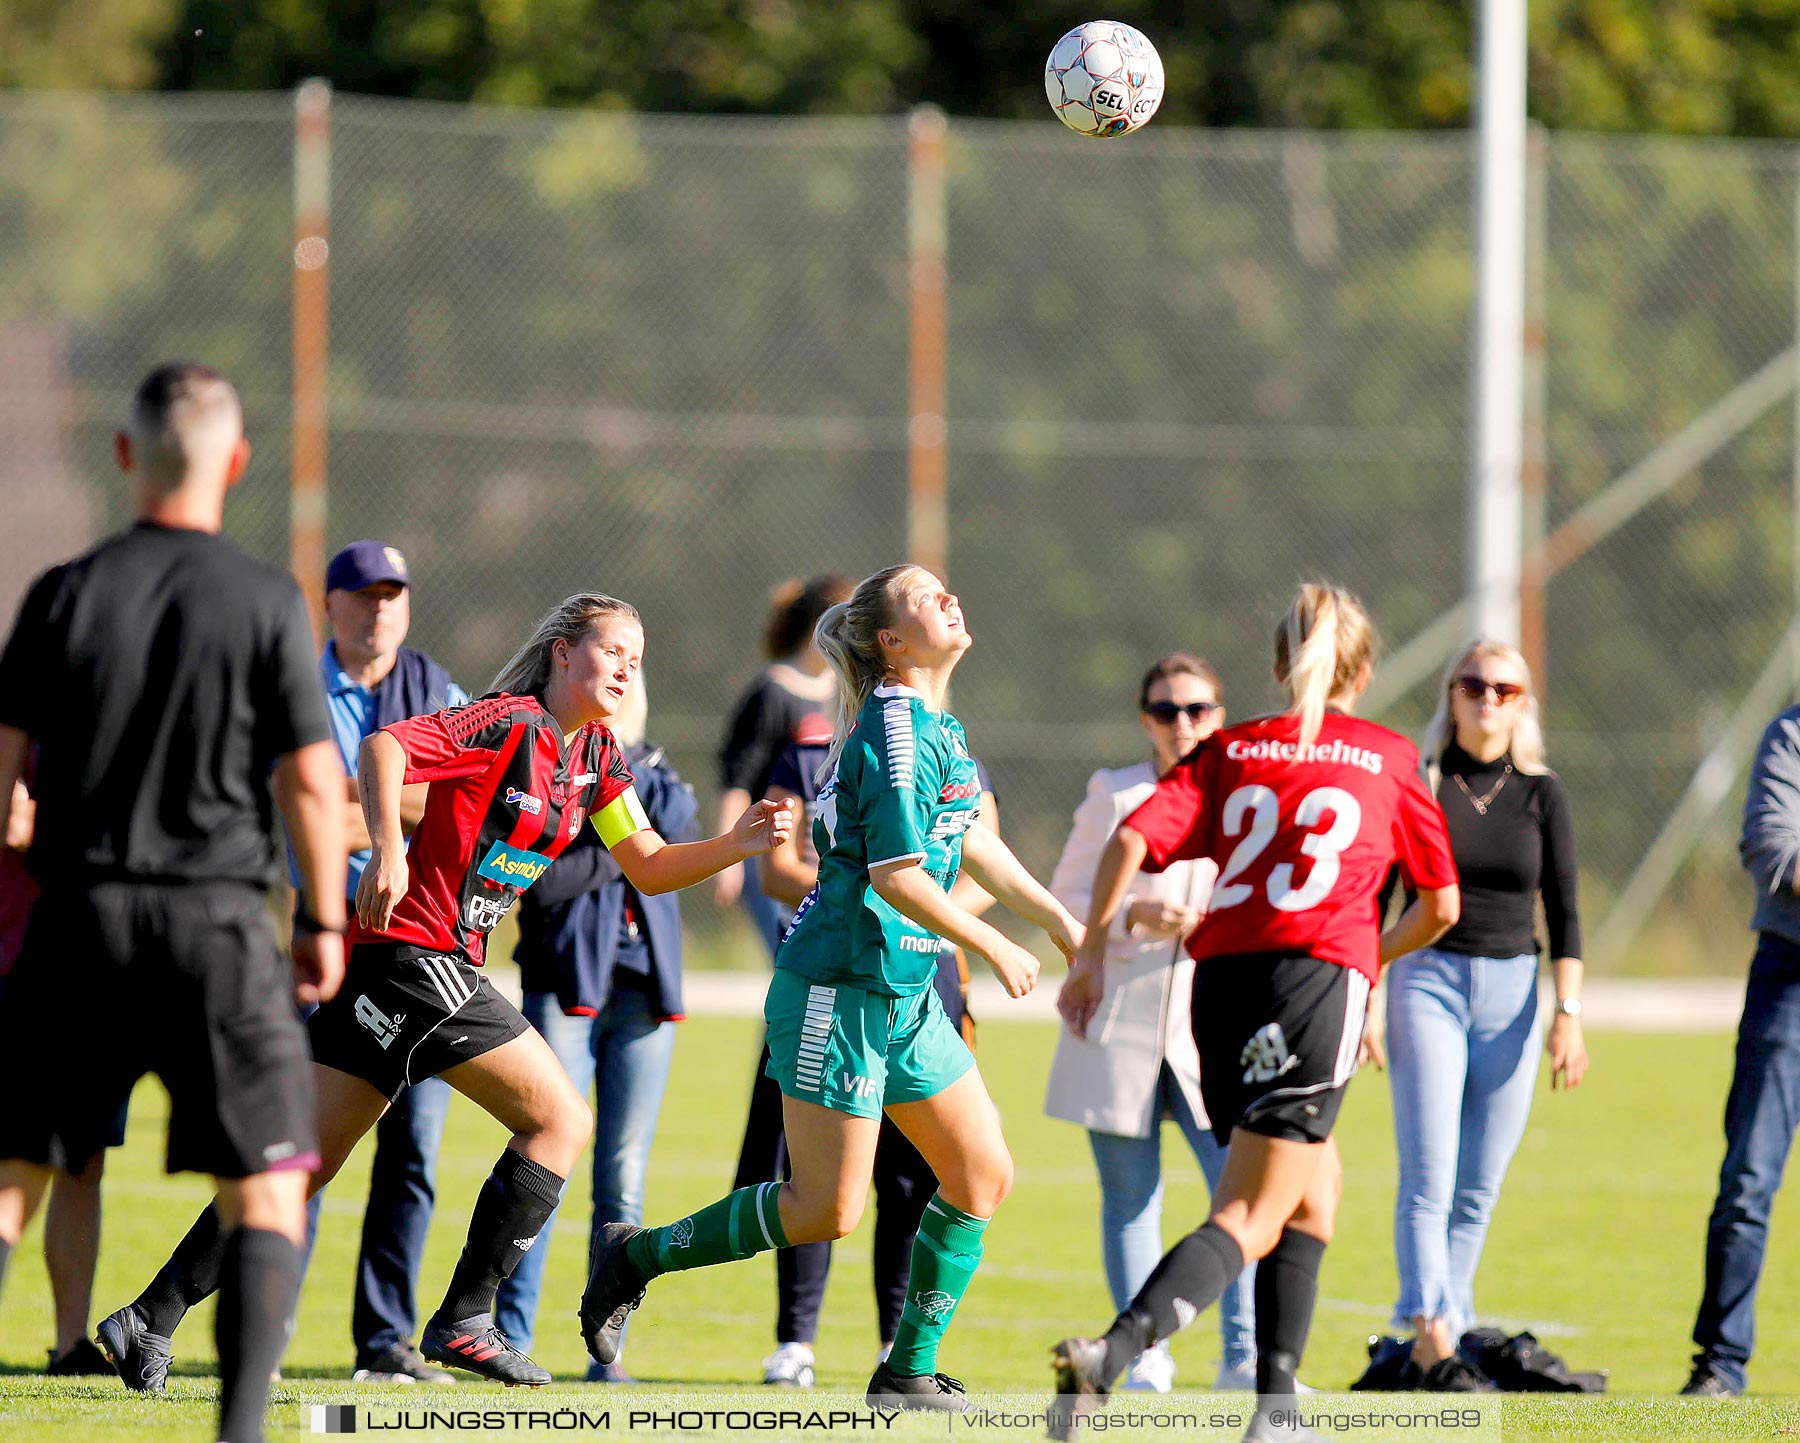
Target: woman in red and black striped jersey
{"x": 1303, "y": 812}
{"x": 513, "y": 776}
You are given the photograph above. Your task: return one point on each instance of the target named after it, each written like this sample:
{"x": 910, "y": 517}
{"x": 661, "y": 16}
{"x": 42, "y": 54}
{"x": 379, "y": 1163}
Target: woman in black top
{"x": 1462, "y": 1015}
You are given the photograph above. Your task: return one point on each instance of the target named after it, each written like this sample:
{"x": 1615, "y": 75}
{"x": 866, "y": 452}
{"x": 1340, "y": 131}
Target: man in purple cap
{"x": 371, "y": 679}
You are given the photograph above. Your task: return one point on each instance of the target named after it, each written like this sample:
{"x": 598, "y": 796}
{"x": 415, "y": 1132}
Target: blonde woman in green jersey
{"x": 855, "y": 1025}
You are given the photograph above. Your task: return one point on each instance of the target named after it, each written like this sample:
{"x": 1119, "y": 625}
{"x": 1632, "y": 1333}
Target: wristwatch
{"x": 1568, "y": 1007}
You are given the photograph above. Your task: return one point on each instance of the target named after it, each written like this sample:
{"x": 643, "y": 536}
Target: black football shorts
{"x": 400, "y": 1019}
{"x": 1278, "y": 1037}
{"x": 117, "y": 979}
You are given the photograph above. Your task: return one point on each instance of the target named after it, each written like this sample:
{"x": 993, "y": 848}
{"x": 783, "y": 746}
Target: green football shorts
{"x": 858, "y": 1052}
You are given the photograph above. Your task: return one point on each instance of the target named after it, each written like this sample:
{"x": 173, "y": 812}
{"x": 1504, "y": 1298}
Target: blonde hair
{"x": 1321, "y": 646}
{"x": 528, "y": 673}
{"x": 849, "y": 638}
{"x": 1525, "y": 745}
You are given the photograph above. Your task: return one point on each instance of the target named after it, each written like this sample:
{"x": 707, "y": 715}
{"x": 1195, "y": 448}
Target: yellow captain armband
{"x": 620, "y": 817}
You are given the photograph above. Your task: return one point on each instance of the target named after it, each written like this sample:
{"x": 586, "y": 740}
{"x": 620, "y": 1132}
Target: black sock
{"x": 1188, "y": 1280}
{"x": 259, "y": 1284}
{"x": 515, "y": 1202}
{"x": 1287, "y": 1285}
{"x": 191, "y": 1275}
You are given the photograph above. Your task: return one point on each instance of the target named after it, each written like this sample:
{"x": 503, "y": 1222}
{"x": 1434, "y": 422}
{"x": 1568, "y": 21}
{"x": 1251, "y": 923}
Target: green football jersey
{"x": 905, "y": 787}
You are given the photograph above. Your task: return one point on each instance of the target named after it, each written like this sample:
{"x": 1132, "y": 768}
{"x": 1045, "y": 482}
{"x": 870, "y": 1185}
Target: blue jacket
{"x": 569, "y": 921}
{"x": 1769, "y": 844}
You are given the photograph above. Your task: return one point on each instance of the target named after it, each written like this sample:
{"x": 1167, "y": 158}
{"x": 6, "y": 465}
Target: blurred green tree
{"x": 1669, "y": 66}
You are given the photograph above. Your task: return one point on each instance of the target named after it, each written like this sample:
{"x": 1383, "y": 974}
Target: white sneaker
{"x": 1243, "y": 1380}
{"x": 789, "y": 1366}
{"x": 1153, "y": 1372}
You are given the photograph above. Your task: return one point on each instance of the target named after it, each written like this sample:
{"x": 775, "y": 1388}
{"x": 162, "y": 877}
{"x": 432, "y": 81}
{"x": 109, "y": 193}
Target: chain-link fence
{"x": 667, "y": 357}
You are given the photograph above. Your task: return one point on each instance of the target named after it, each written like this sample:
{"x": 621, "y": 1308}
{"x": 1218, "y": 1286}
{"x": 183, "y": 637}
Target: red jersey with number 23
{"x": 506, "y": 797}
{"x": 1303, "y": 840}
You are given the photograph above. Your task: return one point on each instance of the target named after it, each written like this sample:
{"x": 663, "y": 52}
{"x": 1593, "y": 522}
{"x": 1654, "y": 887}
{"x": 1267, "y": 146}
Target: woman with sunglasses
{"x": 1462, "y": 1014}
{"x": 1304, "y": 813}
{"x": 1138, "y": 1066}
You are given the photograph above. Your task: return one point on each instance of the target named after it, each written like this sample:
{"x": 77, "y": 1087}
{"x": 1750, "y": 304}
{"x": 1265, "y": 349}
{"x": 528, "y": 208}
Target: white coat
{"x": 1107, "y": 1083}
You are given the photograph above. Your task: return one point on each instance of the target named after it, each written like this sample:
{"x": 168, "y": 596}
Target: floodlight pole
{"x": 927, "y": 431}
{"x": 1496, "y": 502}
{"x": 312, "y": 253}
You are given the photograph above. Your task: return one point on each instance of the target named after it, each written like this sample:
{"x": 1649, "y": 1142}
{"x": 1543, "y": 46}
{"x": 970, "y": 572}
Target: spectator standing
{"x": 372, "y": 679}
{"x": 1462, "y": 1014}
{"x": 72, "y": 1216}
{"x": 793, "y": 688}
{"x": 1138, "y": 1066}
{"x": 1762, "y": 1109}
{"x": 600, "y": 963}
{"x": 168, "y": 679}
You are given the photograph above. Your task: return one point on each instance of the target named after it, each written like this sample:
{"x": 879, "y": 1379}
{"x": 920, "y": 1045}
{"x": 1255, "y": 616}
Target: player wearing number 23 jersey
{"x": 1303, "y": 813}
{"x": 1303, "y": 840}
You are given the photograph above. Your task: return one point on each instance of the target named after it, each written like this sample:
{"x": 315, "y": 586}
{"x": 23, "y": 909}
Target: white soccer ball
{"x": 1104, "y": 78}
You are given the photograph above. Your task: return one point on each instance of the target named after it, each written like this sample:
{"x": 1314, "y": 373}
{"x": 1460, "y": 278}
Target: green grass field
{"x": 1596, "y": 1247}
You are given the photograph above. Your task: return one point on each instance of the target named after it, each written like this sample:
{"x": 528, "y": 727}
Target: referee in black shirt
{"x": 168, "y": 679}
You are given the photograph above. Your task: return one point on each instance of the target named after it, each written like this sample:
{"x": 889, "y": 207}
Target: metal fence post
{"x": 312, "y": 254}
{"x": 927, "y": 430}
{"x": 1533, "y": 577}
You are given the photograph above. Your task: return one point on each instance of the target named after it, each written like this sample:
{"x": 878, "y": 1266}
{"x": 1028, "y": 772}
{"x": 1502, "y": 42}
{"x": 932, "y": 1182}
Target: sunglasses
{"x": 1475, "y": 688}
{"x": 1165, "y": 712}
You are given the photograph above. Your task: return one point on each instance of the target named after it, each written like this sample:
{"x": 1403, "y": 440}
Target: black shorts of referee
{"x": 1278, "y": 1036}
{"x": 117, "y": 979}
{"x": 404, "y": 1015}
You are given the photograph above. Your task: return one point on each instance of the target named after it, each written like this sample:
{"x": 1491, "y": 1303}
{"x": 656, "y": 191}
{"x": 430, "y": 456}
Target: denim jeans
{"x": 767, "y": 916}
{"x": 625, "y": 1054}
{"x": 1761, "y": 1115}
{"x": 1131, "y": 1193}
{"x": 1462, "y": 1036}
{"x": 402, "y": 1189}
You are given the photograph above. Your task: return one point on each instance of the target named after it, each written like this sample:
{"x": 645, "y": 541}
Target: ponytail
{"x": 848, "y": 637}
{"x": 1321, "y": 646}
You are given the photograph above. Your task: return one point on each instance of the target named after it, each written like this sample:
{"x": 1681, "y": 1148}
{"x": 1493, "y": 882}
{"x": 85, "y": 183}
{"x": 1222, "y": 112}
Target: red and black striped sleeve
{"x": 461, "y": 741}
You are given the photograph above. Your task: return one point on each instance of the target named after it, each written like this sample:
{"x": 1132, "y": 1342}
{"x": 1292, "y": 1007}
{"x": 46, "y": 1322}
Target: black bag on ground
{"x": 1521, "y": 1364}
{"x": 1390, "y": 1367}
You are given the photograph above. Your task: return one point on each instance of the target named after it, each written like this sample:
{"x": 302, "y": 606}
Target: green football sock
{"x": 741, "y": 1225}
{"x": 944, "y": 1258}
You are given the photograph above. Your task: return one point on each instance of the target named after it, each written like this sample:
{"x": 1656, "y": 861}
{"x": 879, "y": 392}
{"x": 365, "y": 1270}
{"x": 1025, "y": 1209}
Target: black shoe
{"x": 142, "y": 1357}
{"x": 916, "y": 1392}
{"x": 400, "y": 1363}
{"x": 83, "y": 1360}
{"x": 614, "y": 1288}
{"x": 1704, "y": 1382}
{"x": 1455, "y": 1375}
{"x": 476, "y": 1344}
{"x": 1081, "y": 1384}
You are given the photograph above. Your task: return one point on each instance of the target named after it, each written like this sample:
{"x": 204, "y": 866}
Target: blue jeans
{"x": 1761, "y": 1116}
{"x": 402, "y": 1189}
{"x": 1462, "y": 1061}
{"x": 767, "y": 915}
{"x": 1131, "y": 1193}
{"x": 625, "y": 1053}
